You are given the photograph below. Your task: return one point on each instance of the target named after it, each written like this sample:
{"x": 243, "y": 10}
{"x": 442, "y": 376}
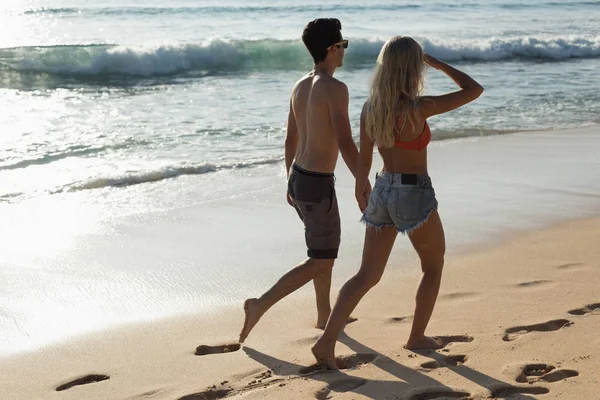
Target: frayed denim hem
{"x": 406, "y": 231}
{"x": 419, "y": 224}
{"x": 370, "y": 224}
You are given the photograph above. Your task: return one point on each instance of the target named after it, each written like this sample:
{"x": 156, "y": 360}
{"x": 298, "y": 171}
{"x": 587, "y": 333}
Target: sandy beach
{"x": 519, "y": 319}
{"x": 518, "y": 313}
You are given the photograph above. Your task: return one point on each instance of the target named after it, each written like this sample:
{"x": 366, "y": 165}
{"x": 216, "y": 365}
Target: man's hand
{"x": 362, "y": 196}
{"x": 290, "y": 200}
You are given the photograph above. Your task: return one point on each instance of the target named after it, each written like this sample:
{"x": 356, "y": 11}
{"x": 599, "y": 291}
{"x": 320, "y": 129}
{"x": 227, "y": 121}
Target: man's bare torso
{"x": 317, "y": 144}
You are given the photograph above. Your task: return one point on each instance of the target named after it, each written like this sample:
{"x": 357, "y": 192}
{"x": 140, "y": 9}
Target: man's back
{"x": 314, "y": 100}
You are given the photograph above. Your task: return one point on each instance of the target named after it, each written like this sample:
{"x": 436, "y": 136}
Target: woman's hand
{"x": 432, "y": 61}
{"x": 362, "y": 195}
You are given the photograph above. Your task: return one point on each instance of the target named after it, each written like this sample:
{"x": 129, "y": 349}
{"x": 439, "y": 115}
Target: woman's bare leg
{"x": 376, "y": 251}
{"x": 430, "y": 244}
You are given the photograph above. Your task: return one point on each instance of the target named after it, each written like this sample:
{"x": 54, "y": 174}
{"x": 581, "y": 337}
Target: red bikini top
{"x": 419, "y": 143}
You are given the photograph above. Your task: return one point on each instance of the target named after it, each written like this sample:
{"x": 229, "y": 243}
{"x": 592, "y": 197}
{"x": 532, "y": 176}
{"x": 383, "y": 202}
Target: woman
{"x": 395, "y": 119}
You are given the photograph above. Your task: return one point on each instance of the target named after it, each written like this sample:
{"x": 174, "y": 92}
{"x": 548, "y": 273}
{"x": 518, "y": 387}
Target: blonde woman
{"x": 394, "y": 118}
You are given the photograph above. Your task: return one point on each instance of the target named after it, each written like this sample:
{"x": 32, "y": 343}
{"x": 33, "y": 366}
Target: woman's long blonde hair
{"x": 395, "y": 90}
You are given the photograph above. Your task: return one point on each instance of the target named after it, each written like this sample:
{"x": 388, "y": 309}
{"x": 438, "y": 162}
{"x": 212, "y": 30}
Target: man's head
{"x": 323, "y": 38}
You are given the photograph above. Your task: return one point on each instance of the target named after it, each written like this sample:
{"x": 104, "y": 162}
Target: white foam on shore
{"x": 84, "y": 264}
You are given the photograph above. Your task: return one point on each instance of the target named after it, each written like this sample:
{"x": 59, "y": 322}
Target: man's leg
{"x": 290, "y": 282}
{"x": 313, "y": 197}
{"x": 323, "y": 235}
{"x": 322, "y": 290}
{"x": 322, "y": 284}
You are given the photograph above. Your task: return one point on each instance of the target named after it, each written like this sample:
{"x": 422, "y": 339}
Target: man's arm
{"x": 291, "y": 140}
{"x": 338, "y": 113}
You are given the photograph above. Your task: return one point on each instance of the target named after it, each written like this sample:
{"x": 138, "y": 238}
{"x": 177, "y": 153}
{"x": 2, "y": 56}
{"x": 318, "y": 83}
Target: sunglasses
{"x": 343, "y": 43}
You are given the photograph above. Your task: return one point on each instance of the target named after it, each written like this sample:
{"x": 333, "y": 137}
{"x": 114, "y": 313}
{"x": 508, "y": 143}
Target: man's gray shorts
{"x": 315, "y": 201}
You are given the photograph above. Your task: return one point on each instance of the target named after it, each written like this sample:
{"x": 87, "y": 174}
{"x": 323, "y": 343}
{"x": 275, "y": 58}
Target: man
{"x": 318, "y": 127}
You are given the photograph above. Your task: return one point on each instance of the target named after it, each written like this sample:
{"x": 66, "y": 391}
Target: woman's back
{"x": 409, "y": 153}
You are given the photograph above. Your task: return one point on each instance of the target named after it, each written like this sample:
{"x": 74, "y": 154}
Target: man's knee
{"x": 326, "y": 264}
{"x": 322, "y": 264}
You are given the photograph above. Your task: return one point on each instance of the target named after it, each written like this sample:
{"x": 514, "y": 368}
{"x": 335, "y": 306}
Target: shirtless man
{"x": 318, "y": 127}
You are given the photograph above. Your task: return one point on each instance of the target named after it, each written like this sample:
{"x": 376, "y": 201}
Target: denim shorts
{"x": 404, "y": 201}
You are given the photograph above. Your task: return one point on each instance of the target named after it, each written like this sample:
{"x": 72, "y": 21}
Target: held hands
{"x": 362, "y": 195}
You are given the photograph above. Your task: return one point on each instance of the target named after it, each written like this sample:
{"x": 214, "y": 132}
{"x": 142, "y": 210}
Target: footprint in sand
{"x": 209, "y": 394}
{"x": 343, "y": 362}
{"x": 440, "y": 394}
{"x": 533, "y": 284}
{"x": 264, "y": 375}
{"x": 446, "y": 340}
{"x": 539, "y": 372}
{"x": 530, "y": 372}
{"x": 571, "y": 266}
{"x": 513, "y": 333}
{"x": 448, "y": 361}
{"x": 558, "y": 375}
{"x": 339, "y": 386}
{"x": 203, "y": 350}
{"x": 82, "y": 381}
{"x": 258, "y": 379}
{"x": 250, "y": 373}
{"x": 260, "y": 384}
{"x": 395, "y": 320}
{"x": 459, "y": 296}
{"x": 148, "y": 394}
{"x": 262, "y": 380}
{"x": 590, "y": 308}
{"x": 505, "y": 391}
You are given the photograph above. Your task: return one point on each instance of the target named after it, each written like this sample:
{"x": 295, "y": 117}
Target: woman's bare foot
{"x": 321, "y": 324}
{"x": 325, "y": 355}
{"x": 253, "y": 313}
{"x": 422, "y": 343}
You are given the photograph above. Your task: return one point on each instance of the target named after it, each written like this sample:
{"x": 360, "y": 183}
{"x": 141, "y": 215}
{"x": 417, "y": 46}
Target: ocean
{"x": 126, "y": 125}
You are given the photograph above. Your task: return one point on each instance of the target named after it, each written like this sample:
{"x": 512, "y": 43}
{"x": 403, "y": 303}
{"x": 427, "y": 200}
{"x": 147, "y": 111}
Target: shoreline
{"x": 587, "y": 125}
{"x": 486, "y": 187}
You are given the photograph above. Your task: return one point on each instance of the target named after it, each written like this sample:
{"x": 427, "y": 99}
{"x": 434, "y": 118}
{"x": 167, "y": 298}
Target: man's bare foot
{"x": 423, "y": 343}
{"x": 253, "y": 314}
{"x": 321, "y": 325}
{"x": 325, "y": 356}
